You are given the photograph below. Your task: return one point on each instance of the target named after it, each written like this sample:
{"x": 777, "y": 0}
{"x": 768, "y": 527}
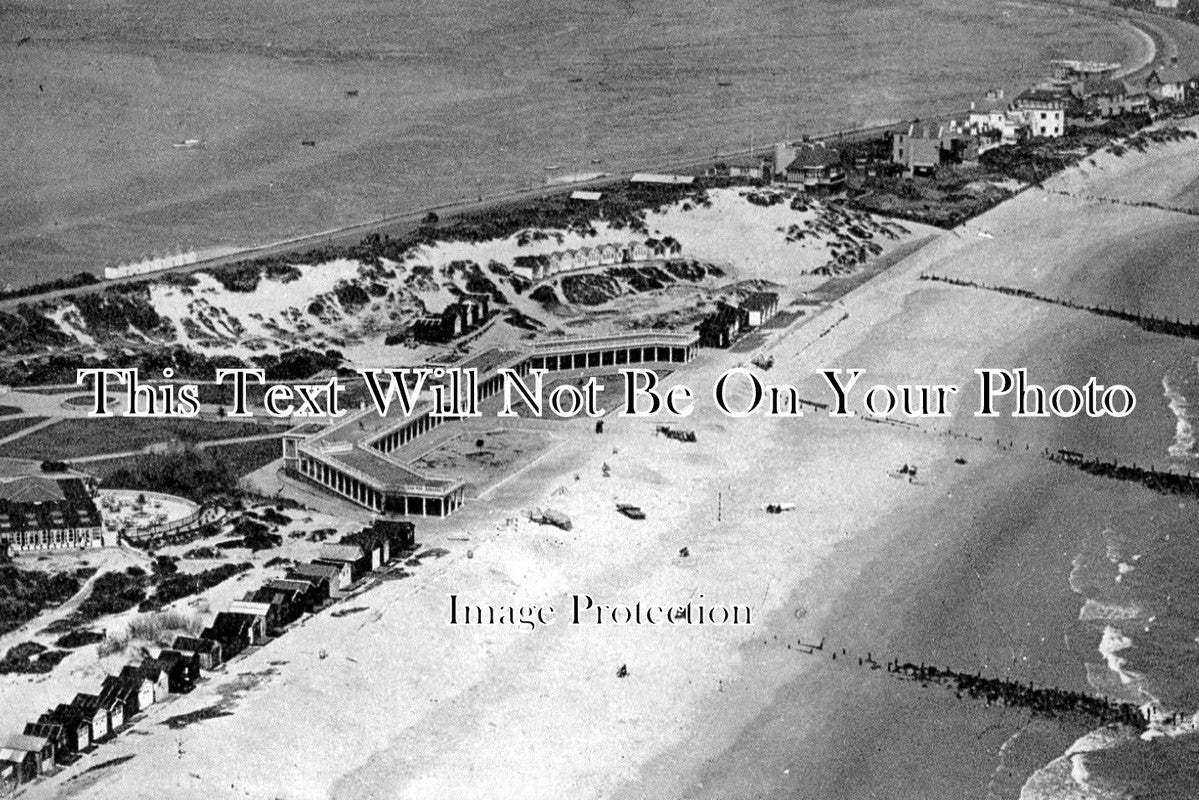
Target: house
{"x": 56, "y": 733}
{"x": 186, "y": 665}
{"x": 759, "y": 308}
{"x": 593, "y": 256}
{"x": 918, "y": 148}
{"x": 1168, "y": 84}
{"x": 139, "y": 694}
{"x": 208, "y": 650}
{"x": 814, "y": 166}
{"x": 42, "y": 748}
{"x": 19, "y": 766}
{"x": 76, "y": 726}
{"x": 1043, "y": 111}
{"x": 673, "y": 248}
{"x": 719, "y": 328}
{"x": 759, "y": 167}
{"x": 637, "y": 251}
{"x": 325, "y": 576}
{"x": 101, "y": 719}
{"x": 609, "y": 254}
{"x": 151, "y": 673}
{"x": 353, "y": 555}
{"x": 40, "y": 513}
{"x": 555, "y": 263}
{"x": 992, "y": 122}
{"x": 578, "y": 258}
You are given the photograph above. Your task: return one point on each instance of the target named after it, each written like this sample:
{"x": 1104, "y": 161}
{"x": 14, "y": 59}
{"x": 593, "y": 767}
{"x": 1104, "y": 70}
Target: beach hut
{"x": 303, "y": 594}
{"x": 400, "y": 535}
{"x": 289, "y": 601}
{"x": 234, "y": 633}
{"x": 637, "y": 251}
{"x": 187, "y": 665}
{"x": 269, "y": 614}
{"x": 325, "y": 576}
{"x": 672, "y": 247}
{"x": 77, "y": 727}
{"x": 56, "y": 733}
{"x": 592, "y": 256}
{"x": 609, "y": 254}
{"x": 759, "y": 308}
{"x": 18, "y": 766}
{"x": 207, "y": 650}
{"x": 42, "y": 748}
{"x": 153, "y": 675}
{"x": 358, "y": 560}
{"x": 90, "y": 705}
{"x": 136, "y": 692}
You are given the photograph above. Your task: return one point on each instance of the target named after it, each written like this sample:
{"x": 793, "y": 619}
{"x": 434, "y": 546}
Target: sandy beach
{"x": 967, "y": 566}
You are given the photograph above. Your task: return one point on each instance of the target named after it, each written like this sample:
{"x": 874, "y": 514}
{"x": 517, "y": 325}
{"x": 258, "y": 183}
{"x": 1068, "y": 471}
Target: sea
{"x": 414, "y": 104}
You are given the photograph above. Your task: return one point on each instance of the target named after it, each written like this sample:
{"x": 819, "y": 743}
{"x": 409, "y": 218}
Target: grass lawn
{"x": 242, "y": 458}
{"x": 10, "y": 426}
{"x": 75, "y": 438}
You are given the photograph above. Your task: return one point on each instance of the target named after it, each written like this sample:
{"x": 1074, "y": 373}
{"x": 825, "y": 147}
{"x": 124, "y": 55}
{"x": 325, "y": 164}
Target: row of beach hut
{"x": 536, "y": 268}
{"x": 58, "y": 736}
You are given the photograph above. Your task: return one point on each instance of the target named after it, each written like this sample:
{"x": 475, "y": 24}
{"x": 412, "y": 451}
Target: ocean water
{"x": 452, "y": 99}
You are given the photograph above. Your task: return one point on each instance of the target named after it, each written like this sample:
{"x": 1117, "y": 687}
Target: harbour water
{"x": 349, "y": 112}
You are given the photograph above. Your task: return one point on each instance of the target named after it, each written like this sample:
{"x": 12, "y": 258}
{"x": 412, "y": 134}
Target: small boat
{"x": 724, "y": 83}
{"x": 351, "y": 92}
{"x": 574, "y": 80}
{"x": 597, "y": 161}
{"x": 553, "y": 166}
{"x": 187, "y": 143}
{"x": 308, "y": 143}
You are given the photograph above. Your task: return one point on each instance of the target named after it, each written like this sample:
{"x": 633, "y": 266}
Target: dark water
{"x": 454, "y": 98}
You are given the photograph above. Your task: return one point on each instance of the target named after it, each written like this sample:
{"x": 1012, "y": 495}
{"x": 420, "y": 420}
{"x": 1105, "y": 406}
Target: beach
{"x": 988, "y": 560}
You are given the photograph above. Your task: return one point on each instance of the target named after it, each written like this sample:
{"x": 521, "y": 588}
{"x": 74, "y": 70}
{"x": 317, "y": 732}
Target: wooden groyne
{"x": 1153, "y": 479}
{"x": 1169, "y": 327}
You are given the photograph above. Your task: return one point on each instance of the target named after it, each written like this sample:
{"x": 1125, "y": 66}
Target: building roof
{"x": 1095, "y": 85}
{"x": 40, "y": 504}
{"x": 196, "y": 644}
{"x": 650, "y": 177}
{"x": 760, "y": 300}
{"x": 814, "y": 155}
{"x": 247, "y": 607}
{"x": 31, "y": 744}
{"x": 31, "y": 489}
{"x": 340, "y": 552}
{"x": 580, "y": 194}
{"x": 15, "y": 756}
{"x": 313, "y": 570}
{"x": 1170, "y": 74}
{"x": 285, "y": 584}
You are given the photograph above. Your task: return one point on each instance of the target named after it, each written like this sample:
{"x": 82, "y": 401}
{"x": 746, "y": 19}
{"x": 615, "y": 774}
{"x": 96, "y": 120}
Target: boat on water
{"x": 187, "y": 143}
{"x": 597, "y": 161}
{"x": 553, "y": 166}
{"x": 724, "y": 83}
